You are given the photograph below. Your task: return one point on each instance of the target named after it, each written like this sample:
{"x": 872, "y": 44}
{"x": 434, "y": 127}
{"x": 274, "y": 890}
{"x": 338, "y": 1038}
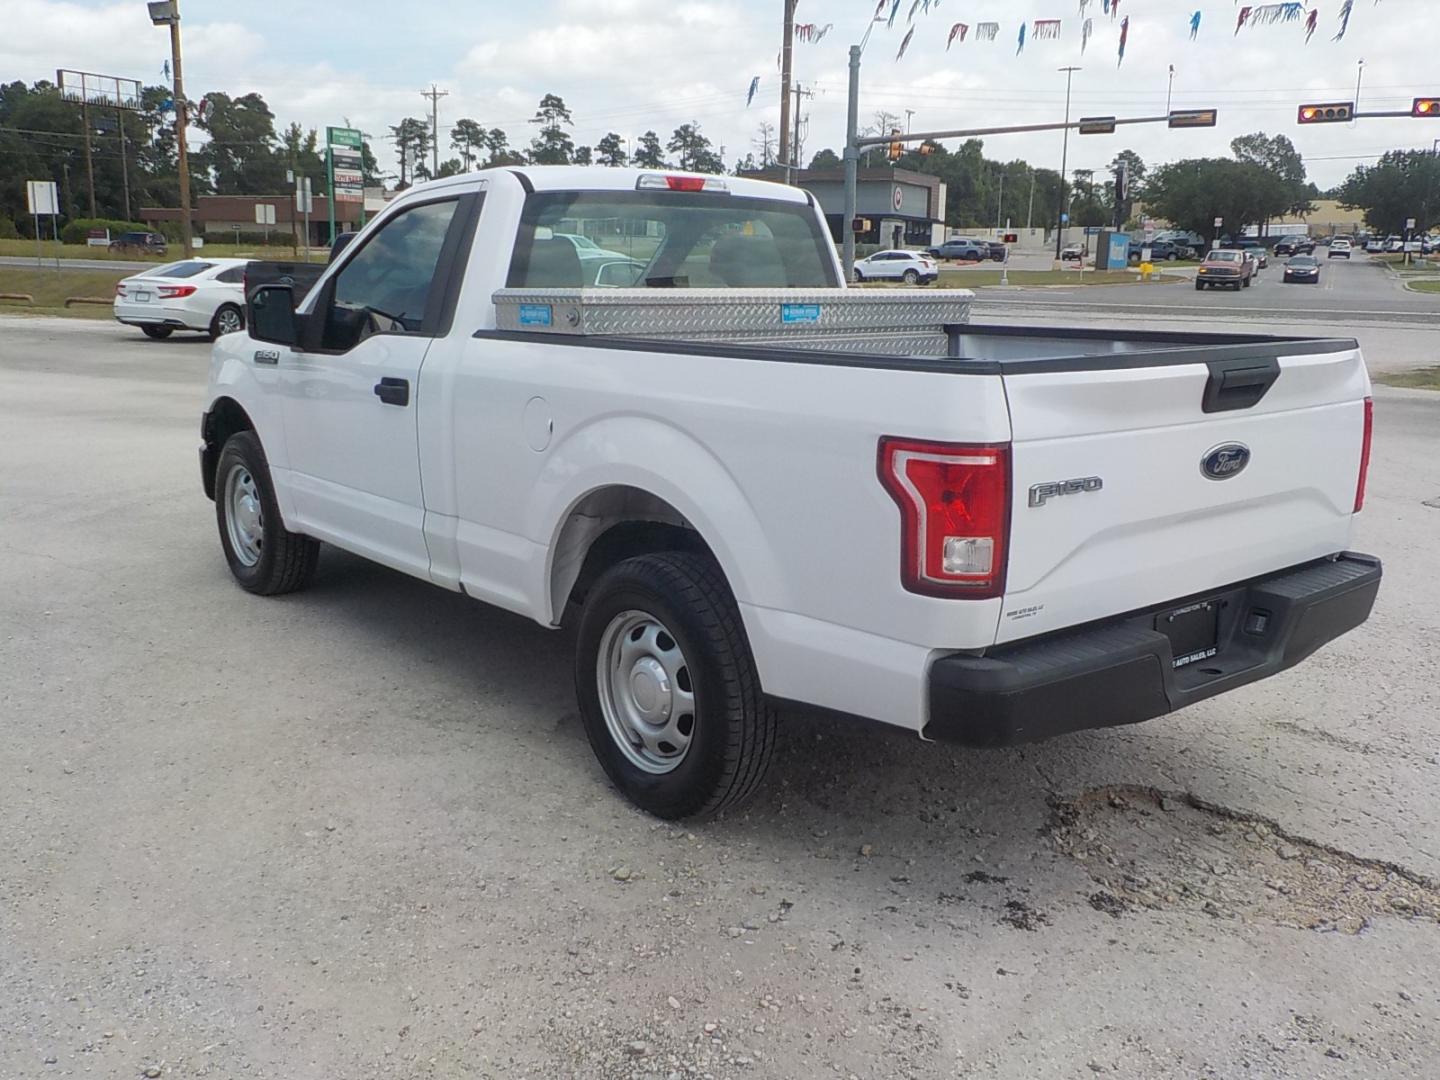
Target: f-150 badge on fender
{"x": 1040, "y": 492}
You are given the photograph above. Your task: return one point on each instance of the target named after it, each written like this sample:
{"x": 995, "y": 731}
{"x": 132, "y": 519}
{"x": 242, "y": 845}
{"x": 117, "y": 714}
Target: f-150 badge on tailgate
{"x": 1040, "y": 492}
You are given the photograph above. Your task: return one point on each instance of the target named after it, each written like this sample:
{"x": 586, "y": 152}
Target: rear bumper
{"x": 1121, "y": 672}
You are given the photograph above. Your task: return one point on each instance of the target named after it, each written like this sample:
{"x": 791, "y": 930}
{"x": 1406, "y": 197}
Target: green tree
{"x": 649, "y": 154}
{"x": 369, "y": 166}
{"x": 240, "y": 154}
{"x": 696, "y": 154}
{"x": 451, "y": 167}
{"x": 1403, "y": 184}
{"x": 611, "y": 150}
{"x": 581, "y": 156}
{"x": 469, "y": 138}
{"x": 300, "y": 153}
{"x": 412, "y": 146}
{"x": 500, "y": 153}
{"x": 826, "y": 159}
{"x": 1288, "y": 192}
{"x": 553, "y": 146}
{"x": 1191, "y": 194}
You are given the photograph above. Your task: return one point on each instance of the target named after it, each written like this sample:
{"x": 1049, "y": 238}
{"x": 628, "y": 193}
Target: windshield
{"x": 189, "y": 268}
{"x": 669, "y": 240}
{"x": 1224, "y": 256}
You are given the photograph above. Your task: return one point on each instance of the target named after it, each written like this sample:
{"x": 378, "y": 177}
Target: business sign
{"x": 347, "y": 171}
{"x": 897, "y": 197}
{"x": 264, "y": 213}
{"x": 41, "y": 197}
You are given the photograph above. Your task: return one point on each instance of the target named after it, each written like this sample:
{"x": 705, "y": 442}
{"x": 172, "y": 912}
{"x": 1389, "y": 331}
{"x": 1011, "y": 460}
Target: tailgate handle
{"x": 1238, "y": 384}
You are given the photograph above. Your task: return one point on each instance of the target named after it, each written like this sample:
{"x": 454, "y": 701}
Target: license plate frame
{"x": 1193, "y": 630}
{"x": 142, "y": 297}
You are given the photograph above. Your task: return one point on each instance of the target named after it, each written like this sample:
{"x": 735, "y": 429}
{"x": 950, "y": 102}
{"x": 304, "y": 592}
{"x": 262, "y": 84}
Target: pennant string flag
{"x": 987, "y": 31}
{"x": 1085, "y": 31}
{"x": 1105, "y": 6}
{"x": 1124, "y": 35}
{"x": 1310, "y": 22}
{"x": 1243, "y": 18}
{"x": 1195, "y": 26}
{"x": 894, "y": 10}
{"x": 811, "y": 32}
{"x": 959, "y": 30}
{"x": 880, "y": 8}
{"x": 1114, "y": 8}
{"x": 754, "y": 86}
{"x": 905, "y": 44}
{"x": 913, "y": 8}
{"x": 1268, "y": 14}
{"x": 1344, "y": 19}
{"x": 1046, "y": 29}
{"x": 1083, "y": 5}
{"x": 1021, "y": 47}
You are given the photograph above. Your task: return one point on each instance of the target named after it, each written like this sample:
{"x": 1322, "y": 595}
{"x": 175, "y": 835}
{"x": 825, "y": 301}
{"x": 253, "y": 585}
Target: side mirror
{"x": 342, "y": 241}
{"x": 270, "y": 315}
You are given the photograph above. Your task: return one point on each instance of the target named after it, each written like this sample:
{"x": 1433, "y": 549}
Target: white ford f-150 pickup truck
{"x": 647, "y": 401}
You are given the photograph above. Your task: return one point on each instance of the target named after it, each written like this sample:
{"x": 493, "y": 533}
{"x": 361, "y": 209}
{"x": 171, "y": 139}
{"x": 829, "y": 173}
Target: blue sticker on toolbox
{"x": 535, "y": 315}
{"x": 799, "y": 313}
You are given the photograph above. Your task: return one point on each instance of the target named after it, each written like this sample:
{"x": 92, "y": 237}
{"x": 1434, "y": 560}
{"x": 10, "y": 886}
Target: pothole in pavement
{"x": 1150, "y": 849}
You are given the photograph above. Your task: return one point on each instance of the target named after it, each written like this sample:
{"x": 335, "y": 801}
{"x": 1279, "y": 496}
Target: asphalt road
{"x": 78, "y": 264}
{"x": 1357, "y": 290}
{"x": 358, "y": 832}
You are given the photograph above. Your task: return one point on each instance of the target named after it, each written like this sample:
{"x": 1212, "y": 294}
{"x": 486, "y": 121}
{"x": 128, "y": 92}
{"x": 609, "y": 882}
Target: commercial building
{"x": 902, "y": 208}
{"x": 220, "y": 218}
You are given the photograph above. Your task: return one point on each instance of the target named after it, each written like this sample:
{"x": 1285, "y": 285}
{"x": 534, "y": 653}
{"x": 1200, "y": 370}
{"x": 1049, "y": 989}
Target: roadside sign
{"x": 264, "y": 213}
{"x": 1097, "y": 125}
{"x": 898, "y": 197}
{"x": 304, "y": 197}
{"x": 42, "y": 197}
{"x": 1219, "y": 221}
{"x": 1064, "y": 219}
{"x": 98, "y": 238}
{"x": 1409, "y": 223}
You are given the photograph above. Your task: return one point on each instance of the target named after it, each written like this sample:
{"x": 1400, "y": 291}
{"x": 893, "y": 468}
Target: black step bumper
{"x": 1121, "y": 671}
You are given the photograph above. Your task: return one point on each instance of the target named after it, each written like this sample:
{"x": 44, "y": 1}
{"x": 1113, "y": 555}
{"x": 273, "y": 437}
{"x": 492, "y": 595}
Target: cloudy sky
{"x": 628, "y": 65}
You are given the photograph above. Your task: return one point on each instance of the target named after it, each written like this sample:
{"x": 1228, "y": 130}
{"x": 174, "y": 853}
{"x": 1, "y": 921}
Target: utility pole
{"x": 1064, "y": 162}
{"x": 1000, "y": 200}
{"x": 1030, "y": 217}
{"x": 1359, "y": 74}
{"x": 799, "y": 93}
{"x": 1170, "y": 90}
{"x": 908, "y": 114}
{"x": 167, "y": 13}
{"x": 787, "y": 49}
{"x": 434, "y": 95}
{"x": 124, "y": 165}
{"x": 852, "y": 154}
{"x": 89, "y": 164}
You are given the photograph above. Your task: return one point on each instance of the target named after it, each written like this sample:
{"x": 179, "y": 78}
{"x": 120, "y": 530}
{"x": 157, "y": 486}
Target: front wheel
{"x": 228, "y": 320}
{"x": 859, "y": 276}
{"x": 668, "y": 690}
{"x": 1199, "y": 286}
{"x": 265, "y": 557}
{"x": 910, "y": 277}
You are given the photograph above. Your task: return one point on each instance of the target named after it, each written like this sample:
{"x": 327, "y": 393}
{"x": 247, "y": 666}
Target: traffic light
{"x": 1427, "y": 107}
{"x": 1097, "y": 125}
{"x": 860, "y": 225}
{"x": 1334, "y": 112}
{"x": 1192, "y": 118}
{"x": 927, "y": 148}
{"x": 896, "y": 146}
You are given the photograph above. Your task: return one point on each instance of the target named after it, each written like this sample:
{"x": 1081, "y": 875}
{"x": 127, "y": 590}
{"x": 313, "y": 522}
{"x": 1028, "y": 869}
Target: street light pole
{"x": 1064, "y": 162}
{"x": 852, "y": 155}
{"x": 167, "y": 13}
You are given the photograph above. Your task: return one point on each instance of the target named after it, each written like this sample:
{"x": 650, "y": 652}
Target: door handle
{"x": 393, "y": 391}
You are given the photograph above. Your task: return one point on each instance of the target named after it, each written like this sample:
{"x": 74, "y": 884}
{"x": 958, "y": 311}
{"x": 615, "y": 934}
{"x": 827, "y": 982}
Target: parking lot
{"x": 358, "y": 832}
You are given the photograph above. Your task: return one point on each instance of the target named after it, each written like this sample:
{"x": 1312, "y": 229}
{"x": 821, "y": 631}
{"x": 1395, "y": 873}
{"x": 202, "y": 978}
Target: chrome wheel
{"x": 646, "y": 693}
{"x": 229, "y": 321}
{"x": 244, "y": 520}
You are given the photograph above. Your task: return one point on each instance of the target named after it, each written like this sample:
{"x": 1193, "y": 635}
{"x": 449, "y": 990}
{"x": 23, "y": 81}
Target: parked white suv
{"x": 911, "y": 267}
{"x": 207, "y": 295}
{"x": 746, "y": 484}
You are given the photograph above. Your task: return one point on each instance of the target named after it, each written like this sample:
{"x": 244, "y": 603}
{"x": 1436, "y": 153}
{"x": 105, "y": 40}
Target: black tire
{"x": 910, "y": 277}
{"x": 1247, "y": 283}
{"x": 1171, "y": 257}
{"x": 228, "y": 319}
{"x": 733, "y": 731}
{"x": 286, "y": 560}
{"x": 1199, "y": 286}
{"x": 859, "y": 276}
{"x": 157, "y": 332}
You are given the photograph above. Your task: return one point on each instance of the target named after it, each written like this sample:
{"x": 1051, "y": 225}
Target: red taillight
{"x": 1365, "y": 454}
{"x": 954, "y": 512}
{"x": 120, "y": 289}
{"x": 174, "y": 292}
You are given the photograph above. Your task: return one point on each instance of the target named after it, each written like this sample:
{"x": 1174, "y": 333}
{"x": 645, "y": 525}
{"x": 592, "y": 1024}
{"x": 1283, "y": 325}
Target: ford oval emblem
{"x": 1224, "y": 461}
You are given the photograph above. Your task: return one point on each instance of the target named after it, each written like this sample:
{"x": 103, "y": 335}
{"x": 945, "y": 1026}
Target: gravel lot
{"x": 358, "y": 832}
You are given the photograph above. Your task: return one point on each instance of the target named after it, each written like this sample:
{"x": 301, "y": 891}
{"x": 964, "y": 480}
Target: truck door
{"x": 349, "y": 391}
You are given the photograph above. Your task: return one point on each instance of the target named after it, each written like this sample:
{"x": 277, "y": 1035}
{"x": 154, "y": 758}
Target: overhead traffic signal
{"x": 1334, "y": 112}
{"x": 1192, "y": 118}
{"x": 1097, "y": 125}
{"x": 1428, "y": 107}
{"x": 897, "y": 148}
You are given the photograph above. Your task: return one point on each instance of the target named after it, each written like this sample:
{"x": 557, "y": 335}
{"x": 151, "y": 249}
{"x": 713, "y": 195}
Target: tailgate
{"x": 1139, "y": 483}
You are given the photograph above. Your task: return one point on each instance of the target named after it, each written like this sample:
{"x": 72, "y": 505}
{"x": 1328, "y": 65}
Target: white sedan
{"x": 207, "y": 295}
{"x": 911, "y": 267}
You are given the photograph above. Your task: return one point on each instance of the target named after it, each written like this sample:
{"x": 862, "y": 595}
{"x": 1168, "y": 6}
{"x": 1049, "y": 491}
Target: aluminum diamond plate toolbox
{"x": 892, "y": 320}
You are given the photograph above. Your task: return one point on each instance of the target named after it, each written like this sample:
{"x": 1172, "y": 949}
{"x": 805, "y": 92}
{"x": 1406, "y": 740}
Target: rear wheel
{"x": 229, "y": 319}
{"x": 264, "y": 556}
{"x": 859, "y": 276}
{"x": 157, "y": 332}
{"x": 667, "y": 686}
{"x": 910, "y": 277}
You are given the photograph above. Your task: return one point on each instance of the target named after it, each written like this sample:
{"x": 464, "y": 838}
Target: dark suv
{"x": 143, "y": 243}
